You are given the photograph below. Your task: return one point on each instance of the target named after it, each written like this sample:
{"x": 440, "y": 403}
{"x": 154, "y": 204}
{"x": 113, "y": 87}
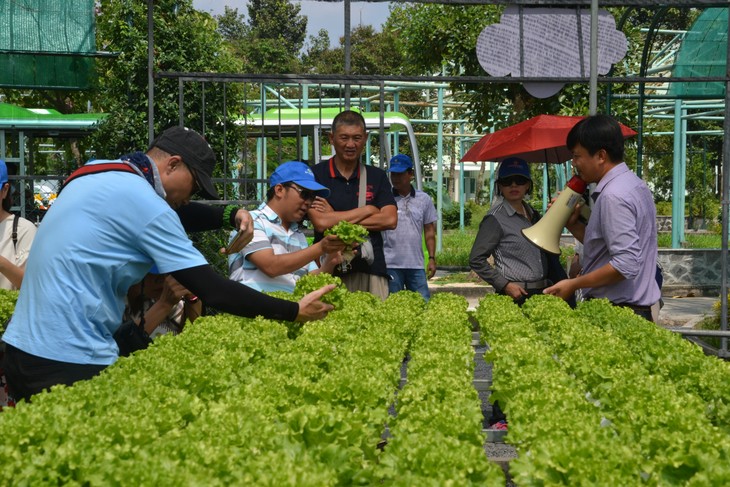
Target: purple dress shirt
{"x": 622, "y": 232}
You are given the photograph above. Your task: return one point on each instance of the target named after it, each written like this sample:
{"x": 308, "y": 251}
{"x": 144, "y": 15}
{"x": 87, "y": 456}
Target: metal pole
{"x": 261, "y": 149}
{"x": 22, "y": 170}
{"x": 545, "y": 188}
{"x": 723, "y": 352}
{"x": 700, "y": 333}
{"x": 682, "y": 170}
{"x": 593, "y": 96}
{"x": 462, "y": 182}
{"x": 440, "y": 172}
{"x": 396, "y": 135}
{"x": 305, "y": 139}
{"x": 180, "y": 102}
{"x": 677, "y": 200}
{"x": 347, "y": 52}
{"x": 150, "y": 76}
{"x": 381, "y": 129}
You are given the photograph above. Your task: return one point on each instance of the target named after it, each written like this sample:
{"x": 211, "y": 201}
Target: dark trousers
{"x": 643, "y": 311}
{"x": 27, "y": 374}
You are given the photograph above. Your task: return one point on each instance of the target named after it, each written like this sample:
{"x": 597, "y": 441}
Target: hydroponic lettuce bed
{"x": 600, "y": 396}
{"x": 234, "y": 401}
{"x": 594, "y": 396}
{"x": 8, "y": 298}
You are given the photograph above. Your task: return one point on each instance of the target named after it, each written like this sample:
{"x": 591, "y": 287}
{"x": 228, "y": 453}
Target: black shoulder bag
{"x": 131, "y": 337}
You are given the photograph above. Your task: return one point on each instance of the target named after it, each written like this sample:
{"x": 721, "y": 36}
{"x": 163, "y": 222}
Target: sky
{"x": 321, "y": 15}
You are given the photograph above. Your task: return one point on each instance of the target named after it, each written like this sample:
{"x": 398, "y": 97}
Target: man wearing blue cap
{"x": 279, "y": 254}
{"x": 403, "y": 246}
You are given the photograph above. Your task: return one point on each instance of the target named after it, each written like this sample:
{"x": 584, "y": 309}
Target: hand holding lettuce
{"x": 350, "y": 234}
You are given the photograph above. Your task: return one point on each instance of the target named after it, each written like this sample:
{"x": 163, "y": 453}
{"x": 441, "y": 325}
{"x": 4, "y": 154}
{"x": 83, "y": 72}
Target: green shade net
{"x": 47, "y": 44}
{"x": 703, "y": 53}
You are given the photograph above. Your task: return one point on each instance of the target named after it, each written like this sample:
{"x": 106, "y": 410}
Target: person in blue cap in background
{"x": 16, "y": 236}
{"x": 403, "y": 246}
{"x": 278, "y": 255}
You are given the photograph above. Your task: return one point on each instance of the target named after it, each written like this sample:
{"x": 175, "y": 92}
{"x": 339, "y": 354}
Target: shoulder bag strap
{"x": 97, "y": 168}
{"x": 363, "y": 186}
{"x": 15, "y": 233}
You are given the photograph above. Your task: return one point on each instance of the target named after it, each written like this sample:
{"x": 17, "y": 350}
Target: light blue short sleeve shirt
{"x": 102, "y": 234}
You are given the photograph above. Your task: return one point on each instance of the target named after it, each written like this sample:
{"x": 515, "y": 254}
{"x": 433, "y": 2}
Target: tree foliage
{"x": 372, "y": 53}
{"x": 232, "y": 25}
{"x": 185, "y": 40}
{"x": 278, "y": 19}
{"x": 269, "y": 39}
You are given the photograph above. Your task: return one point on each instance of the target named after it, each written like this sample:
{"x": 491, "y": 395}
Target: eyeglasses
{"x": 518, "y": 180}
{"x": 305, "y": 194}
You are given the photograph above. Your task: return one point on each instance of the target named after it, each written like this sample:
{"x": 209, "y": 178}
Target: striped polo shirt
{"x": 268, "y": 233}
{"x": 516, "y": 259}
{"x": 403, "y": 246}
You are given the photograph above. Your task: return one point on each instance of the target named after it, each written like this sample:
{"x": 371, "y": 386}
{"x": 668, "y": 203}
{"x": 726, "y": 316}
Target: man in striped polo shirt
{"x": 278, "y": 255}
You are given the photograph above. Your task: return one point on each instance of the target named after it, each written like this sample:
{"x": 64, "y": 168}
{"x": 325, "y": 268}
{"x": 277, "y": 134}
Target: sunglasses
{"x": 196, "y": 181}
{"x": 518, "y": 180}
{"x": 305, "y": 194}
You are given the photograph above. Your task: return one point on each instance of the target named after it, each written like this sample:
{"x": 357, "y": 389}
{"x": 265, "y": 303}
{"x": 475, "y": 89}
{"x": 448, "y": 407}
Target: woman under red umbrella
{"x": 520, "y": 268}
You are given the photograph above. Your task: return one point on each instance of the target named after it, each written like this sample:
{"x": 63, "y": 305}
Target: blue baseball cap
{"x": 400, "y": 163}
{"x": 514, "y": 166}
{"x": 300, "y": 174}
{"x": 3, "y": 172}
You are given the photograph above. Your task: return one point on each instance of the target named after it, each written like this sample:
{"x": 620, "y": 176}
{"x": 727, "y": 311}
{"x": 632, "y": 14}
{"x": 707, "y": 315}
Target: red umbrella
{"x": 539, "y": 139}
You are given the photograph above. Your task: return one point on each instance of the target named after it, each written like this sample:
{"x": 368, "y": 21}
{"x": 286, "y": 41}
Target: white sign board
{"x": 550, "y": 46}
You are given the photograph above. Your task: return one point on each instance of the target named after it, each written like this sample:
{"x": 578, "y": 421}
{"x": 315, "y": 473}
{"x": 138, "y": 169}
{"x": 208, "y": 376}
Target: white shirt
{"x": 17, "y": 254}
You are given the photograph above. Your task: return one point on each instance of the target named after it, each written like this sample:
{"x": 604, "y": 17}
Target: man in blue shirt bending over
{"x": 104, "y": 232}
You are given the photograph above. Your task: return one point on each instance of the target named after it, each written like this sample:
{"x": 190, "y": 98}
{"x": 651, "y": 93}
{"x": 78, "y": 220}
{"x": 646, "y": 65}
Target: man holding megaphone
{"x": 620, "y": 238}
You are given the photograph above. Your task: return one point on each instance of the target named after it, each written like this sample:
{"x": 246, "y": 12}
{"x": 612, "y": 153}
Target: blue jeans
{"x": 410, "y": 279}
